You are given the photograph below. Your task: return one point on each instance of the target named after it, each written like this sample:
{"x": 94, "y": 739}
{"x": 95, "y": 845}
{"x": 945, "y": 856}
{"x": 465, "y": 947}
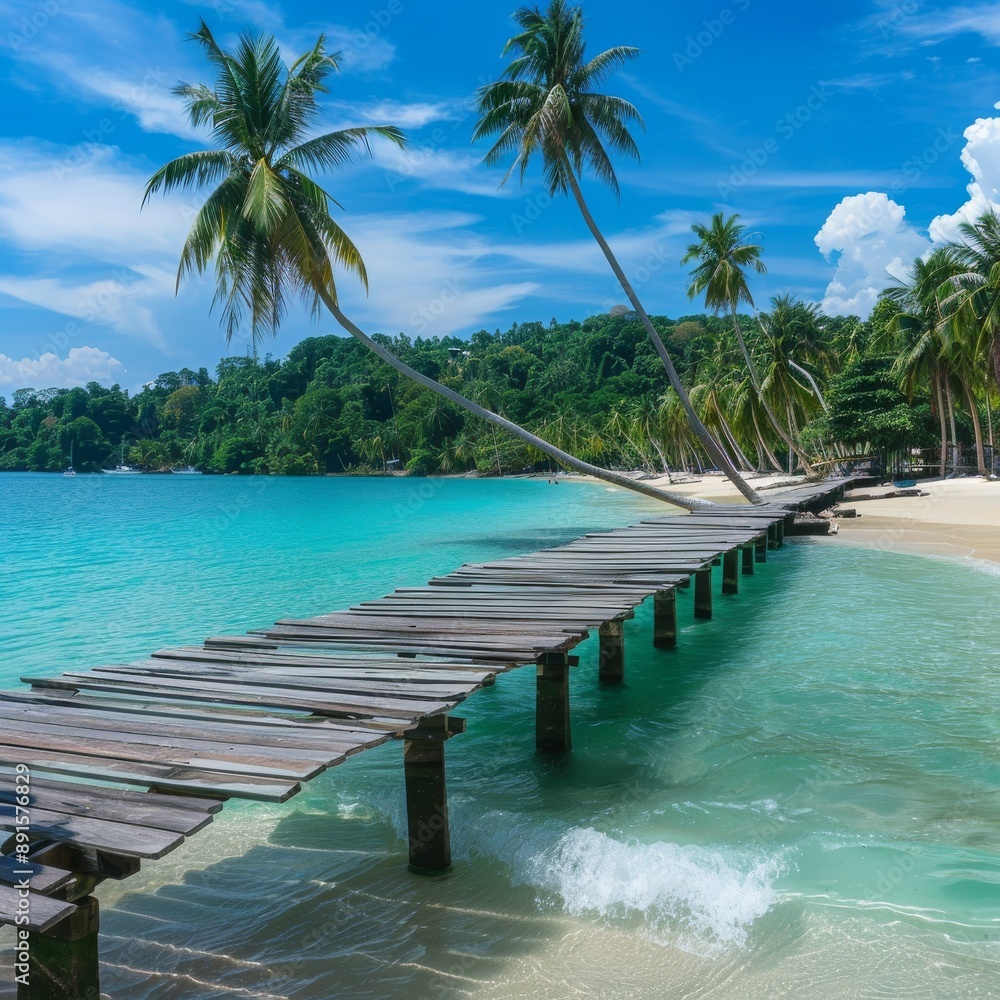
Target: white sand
{"x": 959, "y": 519}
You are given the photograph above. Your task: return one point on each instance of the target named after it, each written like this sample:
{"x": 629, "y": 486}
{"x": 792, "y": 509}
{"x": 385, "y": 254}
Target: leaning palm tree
{"x": 267, "y": 226}
{"x": 724, "y": 255}
{"x": 546, "y": 105}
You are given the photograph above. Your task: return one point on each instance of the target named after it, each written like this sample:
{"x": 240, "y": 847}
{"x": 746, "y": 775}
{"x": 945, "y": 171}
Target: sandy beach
{"x": 959, "y": 518}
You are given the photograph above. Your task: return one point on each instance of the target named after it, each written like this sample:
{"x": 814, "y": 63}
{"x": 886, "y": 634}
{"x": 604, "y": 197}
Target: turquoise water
{"x": 803, "y": 800}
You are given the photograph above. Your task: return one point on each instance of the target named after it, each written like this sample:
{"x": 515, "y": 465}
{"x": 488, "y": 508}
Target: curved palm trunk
{"x": 704, "y": 435}
{"x": 782, "y": 433}
{"x": 740, "y": 453}
{"x": 951, "y": 419}
{"x": 942, "y": 418}
{"x": 607, "y": 475}
{"x": 812, "y": 382}
{"x": 977, "y": 426}
{"x": 770, "y": 455}
{"x": 727, "y": 433}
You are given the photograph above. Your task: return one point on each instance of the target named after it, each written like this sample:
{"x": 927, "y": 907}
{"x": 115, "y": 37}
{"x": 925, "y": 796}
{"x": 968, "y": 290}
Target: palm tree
{"x": 791, "y": 329}
{"x": 545, "y": 104}
{"x": 267, "y": 225}
{"x": 724, "y": 255}
{"x": 973, "y": 324}
{"x": 918, "y": 328}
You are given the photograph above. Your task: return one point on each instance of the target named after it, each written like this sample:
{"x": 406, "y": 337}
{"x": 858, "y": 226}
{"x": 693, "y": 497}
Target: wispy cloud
{"x": 413, "y": 115}
{"x": 980, "y": 19}
{"x": 76, "y": 213}
{"x": 871, "y": 81}
{"x": 442, "y": 168}
{"x": 102, "y": 52}
{"x": 703, "y": 129}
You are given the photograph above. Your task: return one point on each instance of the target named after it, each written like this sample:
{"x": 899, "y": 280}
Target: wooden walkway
{"x": 253, "y": 716}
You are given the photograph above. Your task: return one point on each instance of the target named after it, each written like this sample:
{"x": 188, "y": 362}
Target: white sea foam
{"x": 693, "y": 897}
{"x": 986, "y": 566}
{"x": 700, "y": 899}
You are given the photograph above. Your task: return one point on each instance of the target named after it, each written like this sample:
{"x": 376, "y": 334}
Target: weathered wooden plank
{"x": 214, "y": 691}
{"x": 311, "y": 679}
{"x": 190, "y": 780}
{"x": 444, "y": 624}
{"x": 568, "y": 592}
{"x": 430, "y": 632}
{"x": 43, "y": 912}
{"x": 294, "y": 764}
{"x": 476, "y": 646}
{"x": 143, "y": 810}
{"x": 43, "y": 878}
{"x": 500, "y": 614}
{"x": 250, "y": 717}
{"x": 163, "y": 732}
{"x": 84, "y": 831}
{"x": 183, "y": 803}
{"x": 560, "y": 603}
{"x": 462, "y": 672}
{"x": 387, "y": 672}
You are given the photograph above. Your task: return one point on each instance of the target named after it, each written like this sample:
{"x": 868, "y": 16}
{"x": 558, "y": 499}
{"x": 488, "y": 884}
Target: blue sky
{"x": 850, "y": 135}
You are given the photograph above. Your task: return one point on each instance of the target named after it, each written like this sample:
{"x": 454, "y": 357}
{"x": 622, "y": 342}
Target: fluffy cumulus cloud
{"x": 876, "y": 246}
{"x": 981, "y": 157}
{"x": 80, "y": 366}
{"x": 874, "y": 241}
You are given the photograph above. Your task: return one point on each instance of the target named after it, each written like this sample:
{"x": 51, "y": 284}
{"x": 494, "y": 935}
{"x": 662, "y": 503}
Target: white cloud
{"x": 981, "y": 157}
{"x": 441, "y": 168}
{"x": 80, "y": 366}
{"x": 981, "y": 19}
{"x": 434, "y": 274}
{"x": 79, "y": 211}
{"x": 119, "y": 302}
{"x": 415, "y": 114}
{"x": 85, "y": 200}
{"x": 147, "y": 99}
{"x": 876, "y": 246}
{"x": 106, "y": 51}
{"x": 429, "y": 275}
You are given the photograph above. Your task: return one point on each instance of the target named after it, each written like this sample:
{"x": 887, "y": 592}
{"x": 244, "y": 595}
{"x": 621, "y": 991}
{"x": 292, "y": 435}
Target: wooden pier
{"x": 104, "y": 768}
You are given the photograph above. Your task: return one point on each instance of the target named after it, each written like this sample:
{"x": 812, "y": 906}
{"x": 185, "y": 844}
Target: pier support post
{"x": 665, "y": 619}
{"x": 63, "y": 961}
{"x": 760, "y": 547}
{"x": 731, "y": 572}
{"x": 772, "y": 536}
{"x": 426, "y": 794}
{"x": 703, "y": 593}
{"x": 779, "y": 534}
{"x": 552, "y": 725}
{"x": 748, "y": 560}
{"x": 612, "y": 666}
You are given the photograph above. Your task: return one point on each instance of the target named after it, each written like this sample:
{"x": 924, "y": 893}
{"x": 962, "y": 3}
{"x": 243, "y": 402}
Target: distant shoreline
{"x": 958, "y": 519}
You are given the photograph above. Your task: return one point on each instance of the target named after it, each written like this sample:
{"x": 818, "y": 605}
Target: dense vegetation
{"x": 596, "y": 388}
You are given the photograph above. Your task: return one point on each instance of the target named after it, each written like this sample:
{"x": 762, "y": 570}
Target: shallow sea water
{"x": 802, "y": 800}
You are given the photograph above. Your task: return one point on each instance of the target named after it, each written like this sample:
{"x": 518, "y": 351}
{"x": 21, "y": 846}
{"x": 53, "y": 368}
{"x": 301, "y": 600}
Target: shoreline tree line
{"x": 595, "y": 388}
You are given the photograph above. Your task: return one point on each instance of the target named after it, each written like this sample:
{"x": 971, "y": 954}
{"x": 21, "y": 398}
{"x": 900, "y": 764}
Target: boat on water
{"x": 70, "y": 471}
{"x": 188, "y": 470}
{"x": 121, "y": 469}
